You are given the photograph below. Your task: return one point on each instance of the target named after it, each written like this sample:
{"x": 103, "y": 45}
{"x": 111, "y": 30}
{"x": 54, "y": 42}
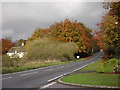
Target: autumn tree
{"x": 6, "y": 45}
{"x": 109, "y": 36}
{"x": 72, "y": 31}
{"x": 39, "y": 33}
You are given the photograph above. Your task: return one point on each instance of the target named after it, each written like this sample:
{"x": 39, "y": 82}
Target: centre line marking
{"x": 7, "y": 78}
{"x": 29, "y": 73}
{"x": 48, "y": 70}
{"x": 61, "y": 67}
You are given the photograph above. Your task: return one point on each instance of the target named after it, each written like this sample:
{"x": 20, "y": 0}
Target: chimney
{"x": 15, "y": 51}
{"x": 22, "y": 44}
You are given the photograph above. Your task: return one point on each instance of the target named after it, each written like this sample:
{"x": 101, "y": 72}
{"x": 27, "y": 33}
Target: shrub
{"x": 9, "y": 62}
{"x": 108, "y": 66}
{"x": 45, "y": 49}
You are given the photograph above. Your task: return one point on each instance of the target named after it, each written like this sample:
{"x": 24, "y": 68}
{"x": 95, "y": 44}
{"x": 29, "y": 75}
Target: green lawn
{"x": 93, "y": 79}
{"x": 93, "y": 67}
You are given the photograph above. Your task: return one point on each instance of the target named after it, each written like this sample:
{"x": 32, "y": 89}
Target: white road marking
{"x": 65, "y": 74}
{"x": 68, "y": 72}
{"x": 45, "y": 86}
{"x": 6, "y": 78}
{"x": 28, "y": 73}
{"x": 30, "y": 70}
{"x": 60, "y": 67}
{"x": 55, "y": 78}
{"x": 48, "y": 70}
{"x": 33, "y": 70}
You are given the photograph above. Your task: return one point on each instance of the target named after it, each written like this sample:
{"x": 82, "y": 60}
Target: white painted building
{"x": 16, "y": 52}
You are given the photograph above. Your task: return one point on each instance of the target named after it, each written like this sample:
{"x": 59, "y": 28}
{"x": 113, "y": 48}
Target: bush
{"x": 108, "y": 66}
{"x": 45, "y": 49}
{"x": 9, "y": 62}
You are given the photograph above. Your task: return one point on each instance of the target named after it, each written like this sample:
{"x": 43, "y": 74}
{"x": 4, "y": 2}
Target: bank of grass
{"x": 34, "y": 66}
{"x": 93, "y": 79}
{"x": 94, "y": 66}
{"x": 109, "y": 66}
{"x": 104, "y": 79}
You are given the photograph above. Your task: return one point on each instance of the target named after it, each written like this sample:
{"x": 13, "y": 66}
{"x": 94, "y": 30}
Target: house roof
{"x": 18, "y": 49}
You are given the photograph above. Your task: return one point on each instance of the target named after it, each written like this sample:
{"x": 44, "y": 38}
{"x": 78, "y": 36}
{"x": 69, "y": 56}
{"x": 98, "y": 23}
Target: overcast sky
{"x": 19, "y": 20}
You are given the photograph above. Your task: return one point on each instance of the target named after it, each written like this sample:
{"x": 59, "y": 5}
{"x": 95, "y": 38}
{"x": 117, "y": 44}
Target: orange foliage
{"x": 6, "y": 45}
{"x": 72, "y": 31}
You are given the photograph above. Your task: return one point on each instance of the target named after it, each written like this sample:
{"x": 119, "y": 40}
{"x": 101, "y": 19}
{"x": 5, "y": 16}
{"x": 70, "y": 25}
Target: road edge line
{"x": 60, "y": 76}
{"x": 47, "y": 85}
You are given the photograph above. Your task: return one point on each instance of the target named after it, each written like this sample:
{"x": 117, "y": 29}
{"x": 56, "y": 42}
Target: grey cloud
{"x": 8, "y": 33}
{"x": 23, "y": 18}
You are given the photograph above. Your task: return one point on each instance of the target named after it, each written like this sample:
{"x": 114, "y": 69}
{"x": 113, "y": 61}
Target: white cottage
{"x": 19, "y": 51}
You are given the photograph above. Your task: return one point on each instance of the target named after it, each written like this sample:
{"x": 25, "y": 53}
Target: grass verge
{"x": 23, "y": 68}
{"x": 104, "y": 79}
{"x": 109, "y": 66}
{"x": 93, "y": 79}
{"x": 93, "y": 66}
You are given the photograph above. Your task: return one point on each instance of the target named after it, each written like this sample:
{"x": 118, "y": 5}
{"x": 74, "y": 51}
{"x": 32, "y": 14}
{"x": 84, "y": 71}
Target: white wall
{"x": 21, "y": 54}
{"x": 10, "y": 54}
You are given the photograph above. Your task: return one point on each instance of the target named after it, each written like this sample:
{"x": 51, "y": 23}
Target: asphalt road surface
{"x": 40, "y": 77}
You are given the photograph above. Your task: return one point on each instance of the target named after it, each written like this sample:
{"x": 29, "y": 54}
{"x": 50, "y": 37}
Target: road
{"x": 37, "y": 78}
